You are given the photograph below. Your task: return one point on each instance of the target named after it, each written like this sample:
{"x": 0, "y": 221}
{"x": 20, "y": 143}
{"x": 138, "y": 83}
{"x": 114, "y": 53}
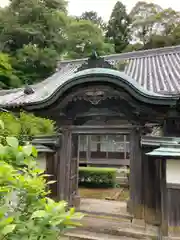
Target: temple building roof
{"x": 153, "y": 72}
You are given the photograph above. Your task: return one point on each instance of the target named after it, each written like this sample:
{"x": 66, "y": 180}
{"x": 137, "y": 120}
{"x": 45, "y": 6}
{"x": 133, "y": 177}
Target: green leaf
{"x": 39, "y": 214}
{"x": 2, "y": 149}
{"x": 28, "y": 150}
{"x": 72, "y": 211}
{"x": 72, "y": 224}
{"x": 20, "y": 157}
{"x": 6, "y": 221}
{"x": 77, "y": 216}
{"x": 34, "y": 152}
{"x": 12, "y": 142}
{"x": 1, "y": 124}
{"x": 8, "y": 229}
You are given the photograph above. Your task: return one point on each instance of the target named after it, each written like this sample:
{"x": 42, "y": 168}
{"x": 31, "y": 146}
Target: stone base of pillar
{"x": 138, "y": 223}
{"x": 129, "y": 206}
{"x": 77, "y": 202}
{"x": 174, "y": 231}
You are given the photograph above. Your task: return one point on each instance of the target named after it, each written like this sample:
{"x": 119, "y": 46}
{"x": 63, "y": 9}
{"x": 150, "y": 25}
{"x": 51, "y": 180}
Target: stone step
{"x": 87, "y": 235}
{"x": 118, "y": 227}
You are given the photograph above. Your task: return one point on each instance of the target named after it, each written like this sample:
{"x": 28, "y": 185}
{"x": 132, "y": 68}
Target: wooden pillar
{"x": 75, "y": 198}
{"x": 136, "y": 204}
{"x": 64, "y": 161}
{"x": 151, "y": 188}
{"x": 68, "y": 169}
{"x": 164, "y": 217}
{"x": 51, "y": 169}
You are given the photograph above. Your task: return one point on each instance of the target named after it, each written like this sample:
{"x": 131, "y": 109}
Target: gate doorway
{"x": 103, "y": 150}
{"x": 70, "y": 154}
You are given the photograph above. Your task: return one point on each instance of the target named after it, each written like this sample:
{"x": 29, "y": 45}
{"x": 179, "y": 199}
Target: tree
{"x": 133, "y": 47}
{"x": 168, "y": 19}
{"x": 33, "y": 32}
{"x": 159, "y": 41}
{"x": 176, "y": 35}
{"x": 158, "y": 29}
{"x": 33, "y": 22}
{"x": 60, "y": 5}
{"x": 144, "y": 23}
{"x": 8, "y": 78}
{"x": 34, "y": 64}
{"x": 118, "y": 27}
{"x": 83, "y": 38}
{"x": 93, "y": 17}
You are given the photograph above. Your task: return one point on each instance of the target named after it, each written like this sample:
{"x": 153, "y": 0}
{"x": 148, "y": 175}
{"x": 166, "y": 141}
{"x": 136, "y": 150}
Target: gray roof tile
{"x": 156, "y": 70}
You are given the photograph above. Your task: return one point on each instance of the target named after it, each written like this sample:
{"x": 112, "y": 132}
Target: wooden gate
{"x": 67, "y": 182}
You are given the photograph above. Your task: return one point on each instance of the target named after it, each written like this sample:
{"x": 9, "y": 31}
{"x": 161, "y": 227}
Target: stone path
{"x": 85, "y": 235}
{"x": 103, "y": 207}
{"x": 109, "y": 220}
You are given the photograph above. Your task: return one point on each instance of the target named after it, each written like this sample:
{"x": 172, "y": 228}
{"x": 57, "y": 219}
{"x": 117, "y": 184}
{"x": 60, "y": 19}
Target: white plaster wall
{"x": 41, "y": 161}
{"x": 173, "y": 171}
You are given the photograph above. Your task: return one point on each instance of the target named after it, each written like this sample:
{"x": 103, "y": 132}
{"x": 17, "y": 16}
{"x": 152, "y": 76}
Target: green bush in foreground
{"x": 26, "y": 212}
{"x": 94, "y": 177}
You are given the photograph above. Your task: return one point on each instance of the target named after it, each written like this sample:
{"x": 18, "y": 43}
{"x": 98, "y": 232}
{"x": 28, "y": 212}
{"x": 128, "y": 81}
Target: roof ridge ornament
{"x": 94, "y": 55}
{"x": 95, "y": 61}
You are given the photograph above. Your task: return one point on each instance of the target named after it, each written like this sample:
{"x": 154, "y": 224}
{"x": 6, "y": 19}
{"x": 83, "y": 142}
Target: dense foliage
{"x": 26, "y": 212}
{"x": 95, "y": 177}
{"x": 35, "y": 35}
{"x": 25, "y": 125}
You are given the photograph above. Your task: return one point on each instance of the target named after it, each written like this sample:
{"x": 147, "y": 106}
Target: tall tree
{"x": 168, "y": 34}
{"x": 93, "y": 17}
{"x": 83, "y": 38}
{"x": 118, "y": 27}
{"x": 144, "y": 23}
{"x": 168, "y": 19}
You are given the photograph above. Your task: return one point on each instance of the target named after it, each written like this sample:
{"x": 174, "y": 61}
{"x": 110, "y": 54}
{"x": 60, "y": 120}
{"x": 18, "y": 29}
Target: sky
{"x": 104, "y": 7}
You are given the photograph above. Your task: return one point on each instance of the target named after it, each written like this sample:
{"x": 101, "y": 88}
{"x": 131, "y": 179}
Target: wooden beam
{"x": 106, "y": 129}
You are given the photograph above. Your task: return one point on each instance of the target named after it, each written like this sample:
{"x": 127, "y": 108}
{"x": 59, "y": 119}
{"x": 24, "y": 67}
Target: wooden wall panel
{"x": 173, "y": 209}
{"x": 151, "y": 193}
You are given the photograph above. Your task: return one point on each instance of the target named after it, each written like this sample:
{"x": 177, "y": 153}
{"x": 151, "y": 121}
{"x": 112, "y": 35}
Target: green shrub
{"x": 25, "y": 126}
{"x": 26, "y": 212}
{"x": 97, "y": 177}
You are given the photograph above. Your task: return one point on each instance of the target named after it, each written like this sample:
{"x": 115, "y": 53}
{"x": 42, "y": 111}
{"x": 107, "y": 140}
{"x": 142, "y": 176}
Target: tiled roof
{"x": 156, "y": 70}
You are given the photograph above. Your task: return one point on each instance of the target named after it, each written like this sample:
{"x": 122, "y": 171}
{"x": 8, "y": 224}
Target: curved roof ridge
{"x": 134, "y": 54}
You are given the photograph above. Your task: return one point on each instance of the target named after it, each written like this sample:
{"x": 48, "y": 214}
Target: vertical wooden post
{"x": 151, "y": 187}
{"x": 136, "y": 204}
{"x": 164, "y": 210}
{"x": 88, "y": 152}
{"x": 75, "y": 177}
{"x": 52, "y": 171}
{"x": 65, "y": 156}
